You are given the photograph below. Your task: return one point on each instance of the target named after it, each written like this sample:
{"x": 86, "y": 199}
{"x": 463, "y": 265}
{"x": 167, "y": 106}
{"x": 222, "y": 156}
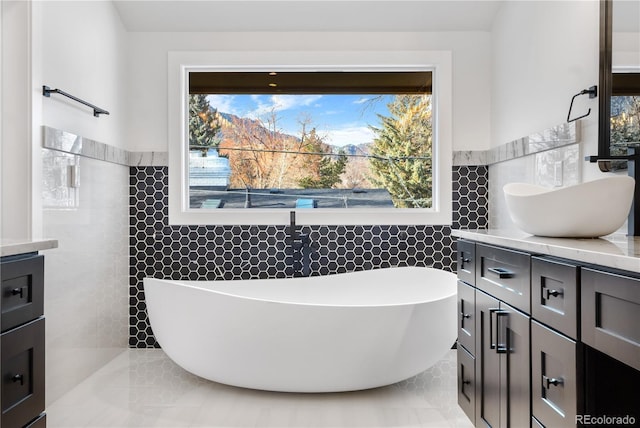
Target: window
{"x": 240, "y": 153}
{"x": 625, "y": 111}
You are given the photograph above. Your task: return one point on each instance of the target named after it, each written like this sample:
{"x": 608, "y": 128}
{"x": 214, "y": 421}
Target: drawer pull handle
{"x": 501, "y": 348}
{"x": 19, "y": 291}
{"x": 465, "y": 316}
{"x": 18, "y": 378}
{"x": 502, "y": 272}
{"x": 553, "y": 293}
{"x": 463, "y": 262}
{"x": 549, "y": 381}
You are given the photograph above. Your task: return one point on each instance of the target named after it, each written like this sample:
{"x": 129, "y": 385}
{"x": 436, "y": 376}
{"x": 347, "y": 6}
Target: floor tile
{"x": 143, "y": 388}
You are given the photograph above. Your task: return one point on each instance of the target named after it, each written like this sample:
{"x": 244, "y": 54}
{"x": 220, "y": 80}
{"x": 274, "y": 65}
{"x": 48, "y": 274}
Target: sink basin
{"x": 587, "y": 210}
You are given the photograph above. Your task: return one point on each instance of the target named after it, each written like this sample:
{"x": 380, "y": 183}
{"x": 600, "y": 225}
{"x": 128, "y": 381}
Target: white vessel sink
{"x": 586, "y": 210}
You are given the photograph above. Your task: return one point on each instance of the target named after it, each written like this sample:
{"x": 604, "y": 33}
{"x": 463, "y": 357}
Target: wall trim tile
{"x": 552, "y": 138}
{"x": 56, "y": 139}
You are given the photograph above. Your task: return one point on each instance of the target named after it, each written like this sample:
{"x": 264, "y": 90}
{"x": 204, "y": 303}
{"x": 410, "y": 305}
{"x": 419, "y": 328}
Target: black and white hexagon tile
{"x": 244, "y": 252}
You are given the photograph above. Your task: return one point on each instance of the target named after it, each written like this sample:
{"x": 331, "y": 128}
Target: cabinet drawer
{"x": 467, "y": 384}
{"x": 554, "y": 294}
{"x": 466, "y": 261}
{"x": 22, "y": 297}
{"x": 553, "y": 377}
{"x": 466, "y": 317}
{"x": 22, "y": 362}
{"x": 610, "y": 315}
{"x": 504, "y": 274}
{"x": 40, "y": 422}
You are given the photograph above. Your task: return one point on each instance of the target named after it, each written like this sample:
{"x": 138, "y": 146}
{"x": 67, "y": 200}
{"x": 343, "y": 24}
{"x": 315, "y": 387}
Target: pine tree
{"x": 403, "y": 151}
{"x": 323, "y": 171}
{"x": 203, "y": 124}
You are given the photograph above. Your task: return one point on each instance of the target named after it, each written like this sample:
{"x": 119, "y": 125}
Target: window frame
{"x": 180, "y": 64}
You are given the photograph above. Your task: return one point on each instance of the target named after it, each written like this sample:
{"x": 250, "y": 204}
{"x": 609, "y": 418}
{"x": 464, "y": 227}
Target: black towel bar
{"x": 97, "y": 111}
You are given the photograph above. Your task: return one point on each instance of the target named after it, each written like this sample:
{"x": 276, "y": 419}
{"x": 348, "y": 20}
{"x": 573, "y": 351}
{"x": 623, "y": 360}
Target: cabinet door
{"x": 553, "y": 373}
{"x": 466, "y": 261}
{"x": 611, "y": 315}
{"x": 466, "y": 317}
{"x": 467, "y": 383}
{"x": 487, "y": 361}
{"x": 515, "y": 369}
{"x": 502, "y": 364}
{"x": 22, "y": 296}
{"x": 22, "y": 364}
{"x": 554, "y": 294}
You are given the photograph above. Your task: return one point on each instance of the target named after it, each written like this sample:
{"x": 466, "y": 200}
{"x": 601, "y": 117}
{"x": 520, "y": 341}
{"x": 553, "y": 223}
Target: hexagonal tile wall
{"x": 244, "y": 252}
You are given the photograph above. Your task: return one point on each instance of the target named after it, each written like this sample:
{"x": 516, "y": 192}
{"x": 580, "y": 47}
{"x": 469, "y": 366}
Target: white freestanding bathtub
{"x": 330, "y": 333}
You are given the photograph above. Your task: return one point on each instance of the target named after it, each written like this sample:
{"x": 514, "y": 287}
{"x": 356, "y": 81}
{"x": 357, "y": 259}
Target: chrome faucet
{"x": 300, "y": 249}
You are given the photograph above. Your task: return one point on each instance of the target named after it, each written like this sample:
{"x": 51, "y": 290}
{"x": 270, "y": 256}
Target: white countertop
{"x": 616, "y": 251}
{"x": 11, "y": 247}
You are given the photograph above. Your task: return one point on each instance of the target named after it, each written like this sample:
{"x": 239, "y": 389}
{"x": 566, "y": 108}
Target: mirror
{"x": 619, "y": 118}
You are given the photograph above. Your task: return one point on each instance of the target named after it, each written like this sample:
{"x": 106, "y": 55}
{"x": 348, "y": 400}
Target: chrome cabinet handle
{"x": 502, "y": 272}
{"x": 463, "y": 261}
{"x": 18, "y": 378}
{"x": 501, "y": 348}
{"x": 553, "y": 293}
{"x": 549, "y": 381}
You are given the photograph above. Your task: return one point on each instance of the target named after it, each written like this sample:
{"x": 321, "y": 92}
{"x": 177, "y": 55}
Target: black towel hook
{"x": 592, "y": 91}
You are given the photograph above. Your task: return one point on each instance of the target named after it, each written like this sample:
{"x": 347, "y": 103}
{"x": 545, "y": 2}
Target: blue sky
{"x": 341, "y": 119}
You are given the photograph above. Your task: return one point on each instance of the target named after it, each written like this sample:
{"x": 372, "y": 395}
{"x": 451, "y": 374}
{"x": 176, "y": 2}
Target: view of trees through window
{"x": 310, "y": 150}
{"x": 625, "y": 123}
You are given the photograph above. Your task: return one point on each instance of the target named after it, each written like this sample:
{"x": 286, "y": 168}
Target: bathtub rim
{"x": 452, "y": 293}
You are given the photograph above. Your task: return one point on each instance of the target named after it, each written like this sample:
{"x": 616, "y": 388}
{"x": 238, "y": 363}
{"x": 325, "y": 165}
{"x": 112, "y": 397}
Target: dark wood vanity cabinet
{"x": 556, "y": 341}
{"x": 502, "y": 364}
{"x": 493, "y": 338}
{"x": 466, "y": 349}
{"x": 22, "y": 341}
{"x": 504, "y": 274}
{"x": 611, "y": 315}
{"x": 553, "y": 377}
{"x": 554, "y": 333}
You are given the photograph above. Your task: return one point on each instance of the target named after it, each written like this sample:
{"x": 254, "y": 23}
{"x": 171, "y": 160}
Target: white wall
{"x": 15, "y": 114}
{"x": 147, "y": 94}
{"x": 84, "y": 54}
{"x": 82, "y": 51}
{"x": 626, "y": 50}
{"x": 544, "y": 52}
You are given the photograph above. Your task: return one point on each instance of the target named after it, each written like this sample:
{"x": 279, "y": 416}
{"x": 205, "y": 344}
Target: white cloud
{"x": 348, "y": 135}
{"x": 223, "y": 103}
{"x": 281, "y": 103}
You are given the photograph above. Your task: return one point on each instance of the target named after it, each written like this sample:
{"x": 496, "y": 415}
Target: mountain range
{"x": 228, "y": 121}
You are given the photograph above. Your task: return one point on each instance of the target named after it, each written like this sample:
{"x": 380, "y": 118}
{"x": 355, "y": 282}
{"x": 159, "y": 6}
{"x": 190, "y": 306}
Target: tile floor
{"x": 144, "y": 388}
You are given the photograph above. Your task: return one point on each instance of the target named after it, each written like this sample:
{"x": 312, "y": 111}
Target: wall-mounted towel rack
{"x": 592, "y": 91}
{"x": 97, "y": 111}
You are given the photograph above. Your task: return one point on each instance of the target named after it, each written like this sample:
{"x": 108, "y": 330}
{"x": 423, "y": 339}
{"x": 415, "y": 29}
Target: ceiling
{"x": 306, "y": 15}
